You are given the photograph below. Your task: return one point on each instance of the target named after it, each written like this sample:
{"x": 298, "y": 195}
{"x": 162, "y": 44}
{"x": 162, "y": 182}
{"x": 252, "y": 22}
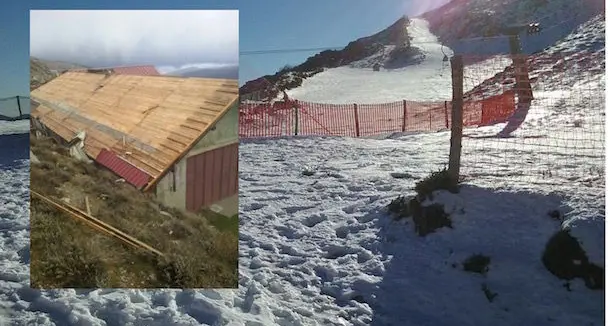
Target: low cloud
{"x": 195, "y": 66}
{"x": 170, "y": 39}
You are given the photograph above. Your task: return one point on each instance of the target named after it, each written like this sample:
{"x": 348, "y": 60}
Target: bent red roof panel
{"x": 122, "y": 168}
{"x": 137, "y": 70}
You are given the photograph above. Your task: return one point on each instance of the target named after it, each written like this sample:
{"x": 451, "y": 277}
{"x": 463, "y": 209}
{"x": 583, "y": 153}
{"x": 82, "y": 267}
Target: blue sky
{"x": 268, "y": 24}
{"x": 14, "y": 42}
{"x": 312, "y": 24}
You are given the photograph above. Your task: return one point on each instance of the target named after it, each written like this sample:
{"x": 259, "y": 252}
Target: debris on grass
{"x": 66, "y": 253}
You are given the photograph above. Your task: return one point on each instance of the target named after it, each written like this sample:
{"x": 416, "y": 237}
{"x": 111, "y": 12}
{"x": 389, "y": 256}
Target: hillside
{"x": 224, "y": 72}
{"x": 390, "y": 48}
{"x": 583, "y": 49}
{"x": 365, "y": 263}
{"x": 41, "y": 71}
{"x": 455, "y": 24}
{"x": 60, "y": 66}
{"x": 97, "y": 260}
{"x": 344, "y": 85}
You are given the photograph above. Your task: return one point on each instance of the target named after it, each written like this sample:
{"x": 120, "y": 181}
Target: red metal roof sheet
{"x": 122, "y": 168}
{"x": 137, "y": 70}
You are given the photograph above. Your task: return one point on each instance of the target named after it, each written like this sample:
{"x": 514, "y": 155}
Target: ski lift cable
{"x": 313, "y": 49}
{"x": 278, "y": 51}
{"x": 445, "y": 56}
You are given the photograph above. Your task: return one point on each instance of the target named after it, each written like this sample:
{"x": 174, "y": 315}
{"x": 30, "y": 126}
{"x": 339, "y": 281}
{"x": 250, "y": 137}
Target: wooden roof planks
{"x": 149, "y": 121}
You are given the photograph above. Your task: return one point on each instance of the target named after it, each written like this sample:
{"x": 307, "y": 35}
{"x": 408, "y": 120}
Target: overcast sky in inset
{"x": 168, "y": 39}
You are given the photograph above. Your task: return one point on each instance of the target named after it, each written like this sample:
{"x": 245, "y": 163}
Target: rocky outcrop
{"x": 291, "y": 77}
{"x": 39, "y": 73}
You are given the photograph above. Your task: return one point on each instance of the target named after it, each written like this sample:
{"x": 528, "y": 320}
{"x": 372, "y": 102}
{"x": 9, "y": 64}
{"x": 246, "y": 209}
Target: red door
{"x": 211, "y": 176}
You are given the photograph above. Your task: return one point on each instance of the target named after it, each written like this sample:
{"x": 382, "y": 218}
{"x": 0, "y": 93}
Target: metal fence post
{"x": 356, "y": 119}
{"x": 19, "y": 106}
{"x": 446, "y": 116}
{"x": 296, "y": 118}
{"x": 404, "y": 115}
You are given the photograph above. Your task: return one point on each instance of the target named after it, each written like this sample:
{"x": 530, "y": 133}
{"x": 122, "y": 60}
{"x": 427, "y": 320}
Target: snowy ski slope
{"x": 319, "y": 249}
{"x": 429, "y": 80}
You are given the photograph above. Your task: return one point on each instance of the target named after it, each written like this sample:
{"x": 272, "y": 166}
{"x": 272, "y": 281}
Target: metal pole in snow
{"x": 356, "y": 119}
{"x": 296, "y": 118}
{"x": 404, "y": 115}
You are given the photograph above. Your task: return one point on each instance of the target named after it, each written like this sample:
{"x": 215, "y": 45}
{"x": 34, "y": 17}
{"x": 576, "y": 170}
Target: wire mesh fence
{"x": 289, "y": 118}
{"x": 555, "y": 134}
{"x": 16, "y": 107}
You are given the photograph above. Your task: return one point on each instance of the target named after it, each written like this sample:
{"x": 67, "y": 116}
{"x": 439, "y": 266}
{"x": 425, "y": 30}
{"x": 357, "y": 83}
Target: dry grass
{"x": 68, "y": 254}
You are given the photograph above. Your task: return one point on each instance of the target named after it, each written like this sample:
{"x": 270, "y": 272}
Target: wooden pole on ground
{"x": 457, "y": 116}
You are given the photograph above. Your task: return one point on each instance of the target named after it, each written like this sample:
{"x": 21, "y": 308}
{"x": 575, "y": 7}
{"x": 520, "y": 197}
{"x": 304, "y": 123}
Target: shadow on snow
{"x": 424, "y": 282}
{"x": 14, "y": 148}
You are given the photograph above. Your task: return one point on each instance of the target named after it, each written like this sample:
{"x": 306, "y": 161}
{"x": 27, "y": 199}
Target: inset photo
{"x": 134, "y": 148}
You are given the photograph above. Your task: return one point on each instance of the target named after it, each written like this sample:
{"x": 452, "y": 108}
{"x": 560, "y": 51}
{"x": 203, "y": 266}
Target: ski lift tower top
{"x": 523, "y": 85}
{"x": 513, "y": 32}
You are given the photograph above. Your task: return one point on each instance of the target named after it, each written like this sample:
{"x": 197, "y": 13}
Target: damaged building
{"x": 144, "y": 70}
{"x": 174, "y": 137}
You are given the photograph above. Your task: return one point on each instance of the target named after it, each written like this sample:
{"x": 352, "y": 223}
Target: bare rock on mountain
{"x": 42, "y": 71}
{"x": 390, "y": 47}
{"x": 39, "y": 73}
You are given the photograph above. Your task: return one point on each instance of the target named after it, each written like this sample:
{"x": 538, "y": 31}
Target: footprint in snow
{"x": 295, "y": 209}
{"x": 314, "y": 220}
{"x": 253, "y": 207}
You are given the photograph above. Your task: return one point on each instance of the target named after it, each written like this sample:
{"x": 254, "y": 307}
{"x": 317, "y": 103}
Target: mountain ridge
{"x": 395, "y": 37}
{"x": 222, "y": 72}
{"x": 455, "y": 24}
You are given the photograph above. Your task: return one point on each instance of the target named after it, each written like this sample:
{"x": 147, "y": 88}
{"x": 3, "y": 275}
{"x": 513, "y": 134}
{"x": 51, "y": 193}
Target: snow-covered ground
{"x": 430, "y": 80}
{"x": 14, "y": 218}
{"x": 320, "y": 250}
{"x": 14, "y": 127}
